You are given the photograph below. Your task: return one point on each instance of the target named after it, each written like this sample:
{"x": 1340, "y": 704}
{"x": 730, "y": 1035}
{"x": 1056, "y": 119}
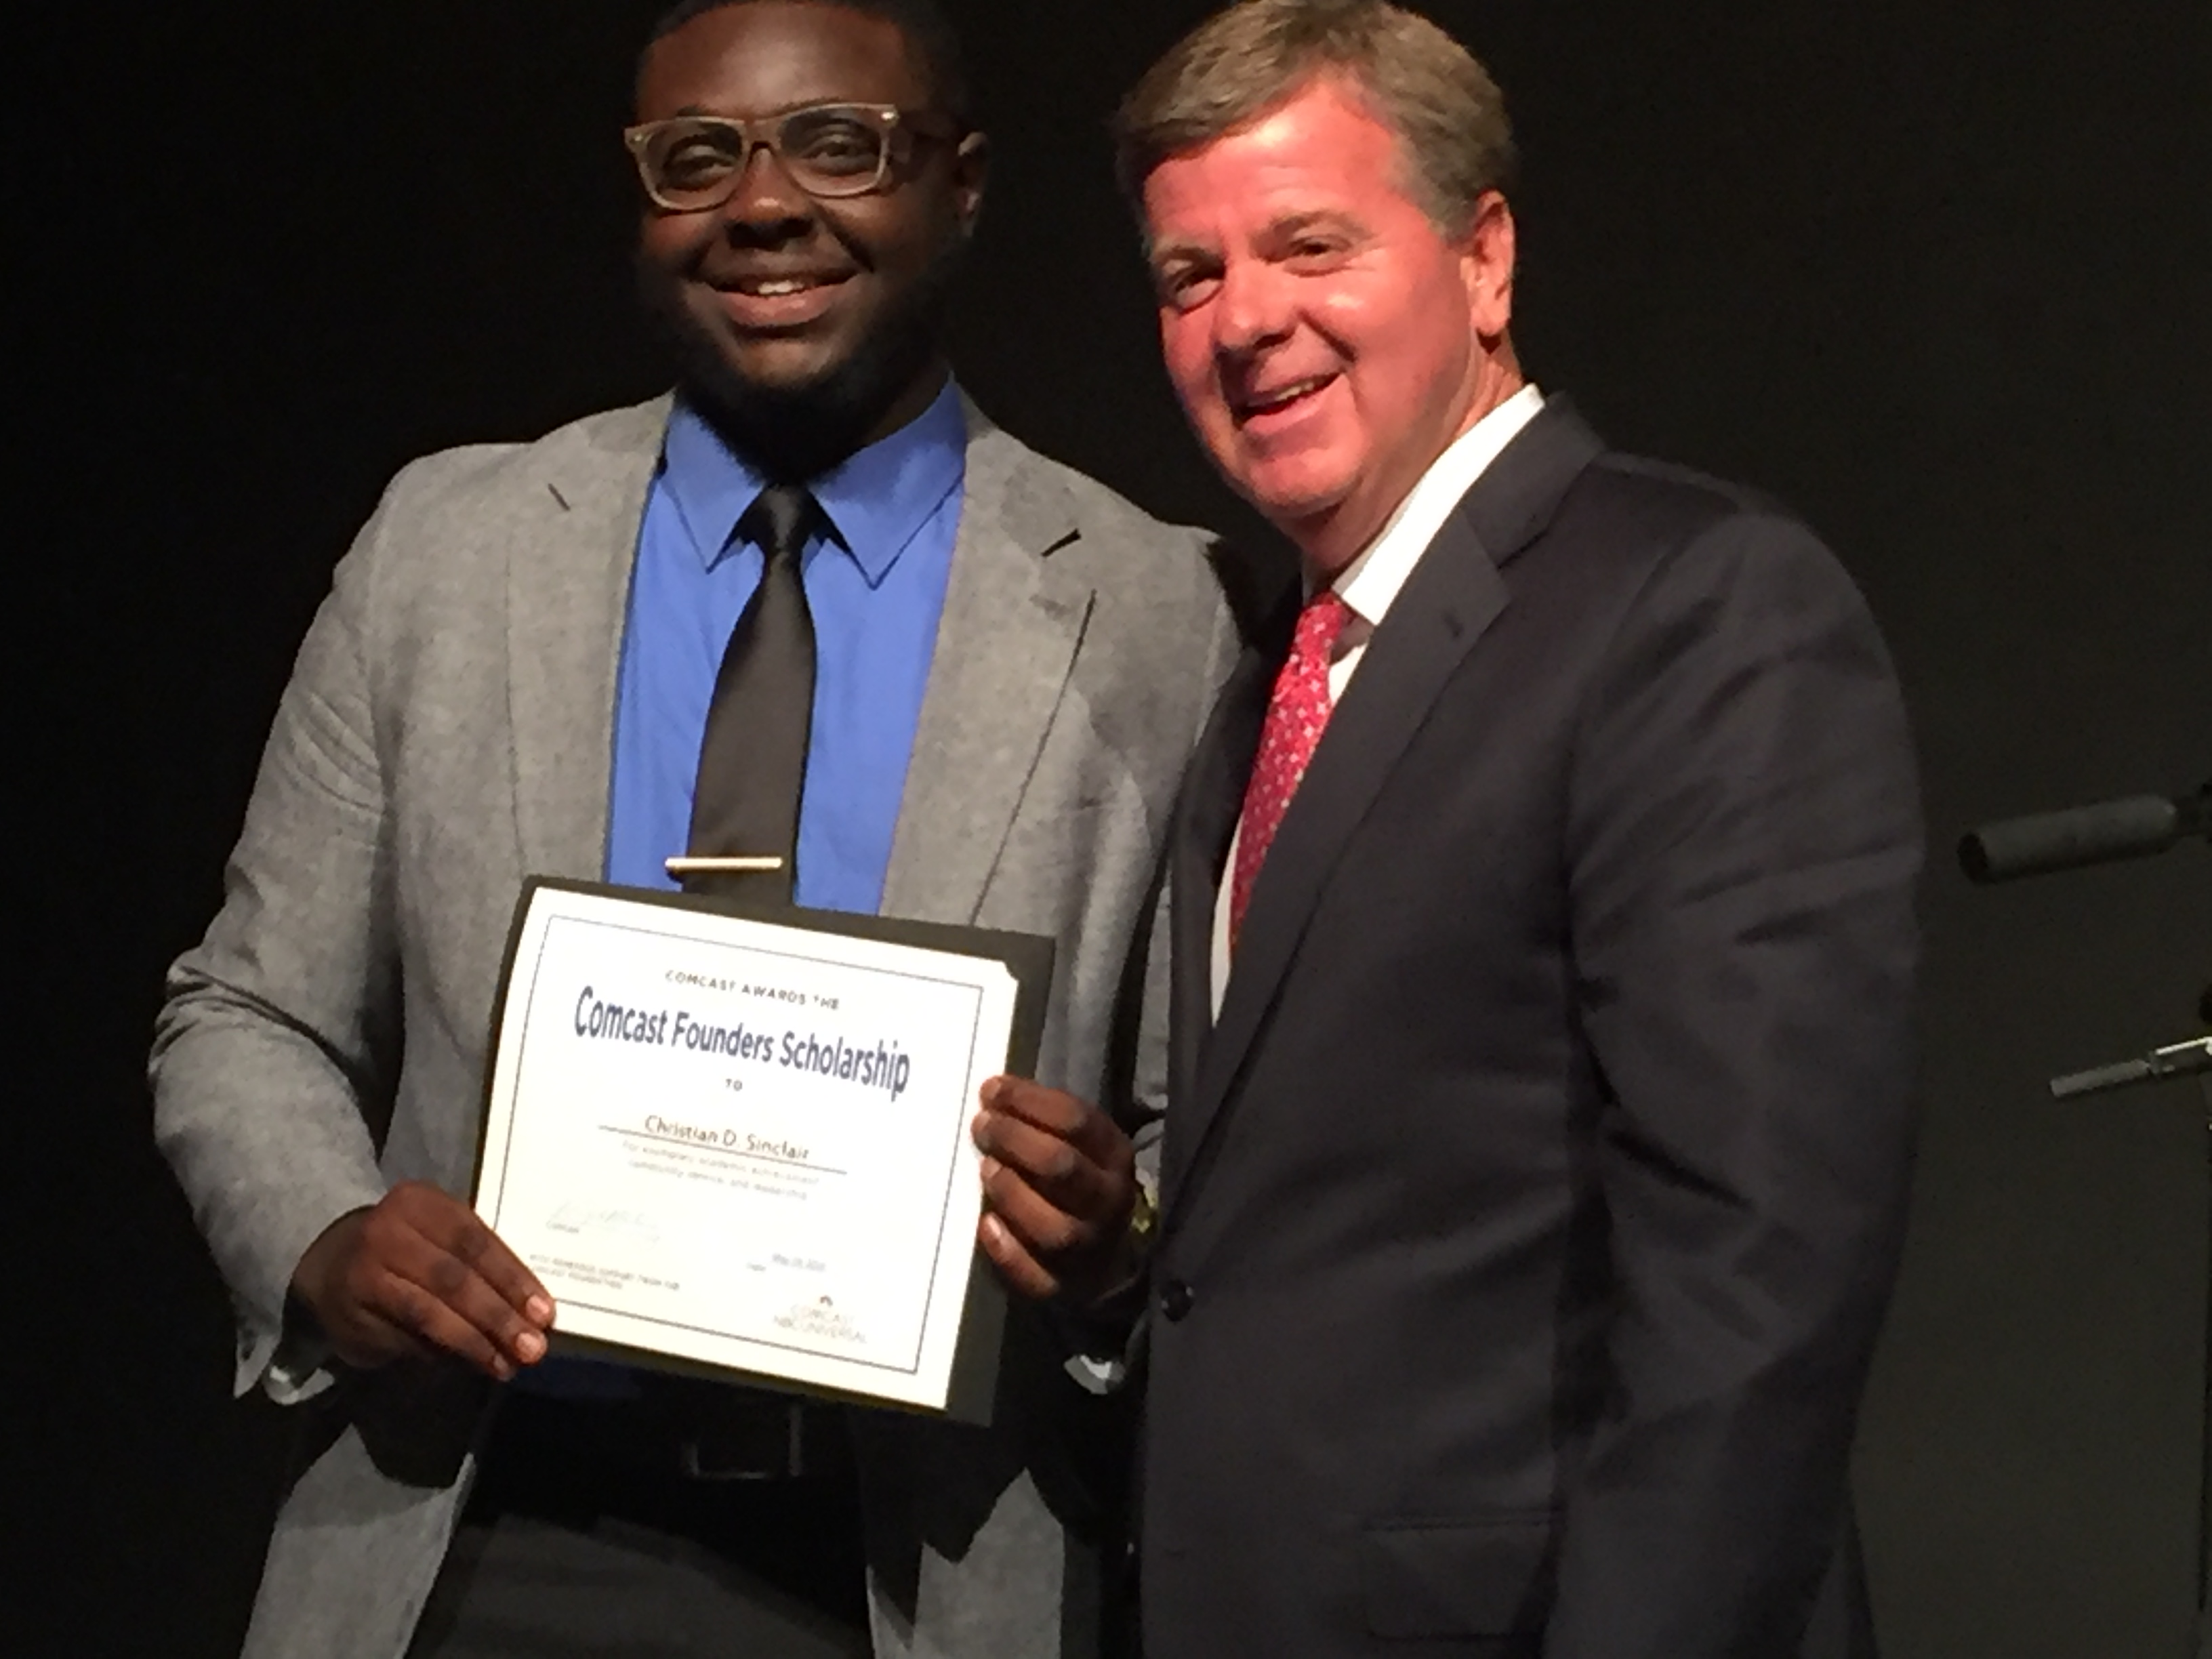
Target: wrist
{"x": 1124, "y": 1264}
{"x": 322, "y": 1261}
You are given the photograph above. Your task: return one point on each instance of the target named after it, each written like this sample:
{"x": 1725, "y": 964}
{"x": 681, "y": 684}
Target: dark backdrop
{"x": 1934, "y": 273}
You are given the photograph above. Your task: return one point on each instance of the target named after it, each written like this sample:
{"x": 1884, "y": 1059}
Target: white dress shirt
{"x": 1369, "y": 583}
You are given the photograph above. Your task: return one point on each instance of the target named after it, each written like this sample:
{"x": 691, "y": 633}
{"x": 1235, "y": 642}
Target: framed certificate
{"x": 737, "y": 1141}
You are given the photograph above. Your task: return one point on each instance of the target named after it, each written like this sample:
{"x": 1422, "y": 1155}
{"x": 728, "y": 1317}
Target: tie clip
{"x": 679, "y": 868}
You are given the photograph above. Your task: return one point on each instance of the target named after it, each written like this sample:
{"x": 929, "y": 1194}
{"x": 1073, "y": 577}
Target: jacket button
{"x": 1175, "y": 1298}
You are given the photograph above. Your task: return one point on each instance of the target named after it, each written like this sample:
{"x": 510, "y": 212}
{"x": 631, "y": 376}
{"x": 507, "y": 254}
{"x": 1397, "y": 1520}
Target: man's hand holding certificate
{"x": 418, "y": 1273}
{"x": 1061, "y": 1179}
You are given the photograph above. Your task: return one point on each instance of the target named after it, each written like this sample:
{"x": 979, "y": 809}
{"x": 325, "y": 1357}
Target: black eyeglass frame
{"x": 898, "y": 130}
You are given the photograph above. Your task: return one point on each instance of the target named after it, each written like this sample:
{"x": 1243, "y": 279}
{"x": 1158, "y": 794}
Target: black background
{"x": 1936, "y": 274}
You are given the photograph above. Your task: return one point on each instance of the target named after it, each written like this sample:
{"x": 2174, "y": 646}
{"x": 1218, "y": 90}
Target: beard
{"x": 795, "y": 432}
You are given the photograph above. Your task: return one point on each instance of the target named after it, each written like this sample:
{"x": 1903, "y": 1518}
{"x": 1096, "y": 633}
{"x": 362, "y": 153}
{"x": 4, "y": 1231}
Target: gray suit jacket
{"x": 447, "y": 731}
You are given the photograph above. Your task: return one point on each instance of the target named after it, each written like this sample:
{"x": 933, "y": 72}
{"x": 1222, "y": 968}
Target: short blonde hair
{"x": 1441, "y": 105}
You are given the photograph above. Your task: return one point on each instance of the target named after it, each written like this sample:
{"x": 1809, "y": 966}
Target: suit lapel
{"x": 1451, "y": 599}
{"x": 1005, "y": 645}
{"x": 568, "y": 567}
{"x": 1206, "y": 818}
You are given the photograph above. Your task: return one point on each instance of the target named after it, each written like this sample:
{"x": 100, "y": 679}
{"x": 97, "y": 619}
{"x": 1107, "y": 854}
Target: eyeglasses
{"x": 691, "y": 162}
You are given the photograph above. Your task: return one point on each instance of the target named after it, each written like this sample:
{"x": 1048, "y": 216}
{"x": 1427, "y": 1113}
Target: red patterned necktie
{"x": 1297, "y": 709}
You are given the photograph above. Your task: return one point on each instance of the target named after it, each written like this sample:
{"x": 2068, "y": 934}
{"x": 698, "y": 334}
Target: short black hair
{"x": 929, "y": 35}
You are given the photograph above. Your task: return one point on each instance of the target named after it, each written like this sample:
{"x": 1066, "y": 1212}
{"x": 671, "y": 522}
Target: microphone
{"x": 2175, "y": 1060}
{"x": 2134, "y": 826}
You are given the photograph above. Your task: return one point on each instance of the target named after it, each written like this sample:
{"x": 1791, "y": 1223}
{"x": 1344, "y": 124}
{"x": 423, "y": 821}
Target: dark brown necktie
{"x": 752, "y": 760}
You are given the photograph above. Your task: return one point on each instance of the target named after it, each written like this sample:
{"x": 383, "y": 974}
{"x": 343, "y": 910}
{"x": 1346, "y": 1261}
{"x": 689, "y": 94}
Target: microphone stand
{"x": 2136, "y": 827}
{"x": 2191, "y": 1057}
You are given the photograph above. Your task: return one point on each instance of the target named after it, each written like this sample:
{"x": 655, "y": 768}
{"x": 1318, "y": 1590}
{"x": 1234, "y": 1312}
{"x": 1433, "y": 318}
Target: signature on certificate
{"x": 581, "y": 1218}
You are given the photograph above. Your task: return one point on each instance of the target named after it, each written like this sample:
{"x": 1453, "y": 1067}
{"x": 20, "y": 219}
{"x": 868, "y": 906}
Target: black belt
{"x": 725, "y": 1433}
{"x": 673, "y": 1429}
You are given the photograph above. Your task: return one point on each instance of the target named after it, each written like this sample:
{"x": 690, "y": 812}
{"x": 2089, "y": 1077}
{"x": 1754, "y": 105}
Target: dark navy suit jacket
{"x": 1530, "y": 1209}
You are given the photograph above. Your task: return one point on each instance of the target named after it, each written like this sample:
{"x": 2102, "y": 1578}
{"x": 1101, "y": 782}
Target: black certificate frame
{"x": 1029, "y": 957}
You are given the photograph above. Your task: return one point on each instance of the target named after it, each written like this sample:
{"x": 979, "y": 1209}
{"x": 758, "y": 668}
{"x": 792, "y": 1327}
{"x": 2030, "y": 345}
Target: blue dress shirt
{"x": 876, "y": 591}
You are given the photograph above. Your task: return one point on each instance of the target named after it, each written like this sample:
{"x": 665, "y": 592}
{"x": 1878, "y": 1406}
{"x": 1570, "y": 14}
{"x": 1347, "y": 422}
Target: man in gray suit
{"x": 514, "y": 674}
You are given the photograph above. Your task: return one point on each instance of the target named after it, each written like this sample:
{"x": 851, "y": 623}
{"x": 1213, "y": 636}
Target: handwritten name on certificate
{"x": 743, "y": 1144}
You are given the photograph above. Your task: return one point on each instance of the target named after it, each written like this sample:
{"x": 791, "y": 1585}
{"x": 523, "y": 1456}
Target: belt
{"x": 727, "y": 1433}
{"x": 675, "y": 1428}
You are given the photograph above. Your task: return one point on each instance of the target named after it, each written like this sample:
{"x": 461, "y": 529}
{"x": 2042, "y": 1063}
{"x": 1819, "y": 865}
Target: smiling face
{"x": 1327, "y": 339}
{"x": 806, "y": 328}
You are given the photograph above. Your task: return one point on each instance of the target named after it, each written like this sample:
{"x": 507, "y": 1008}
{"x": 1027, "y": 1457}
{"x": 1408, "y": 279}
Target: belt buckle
{"x": 695, "y": 1460}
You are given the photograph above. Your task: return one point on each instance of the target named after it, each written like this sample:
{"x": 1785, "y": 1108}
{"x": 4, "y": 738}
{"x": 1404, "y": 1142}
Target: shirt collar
{"x": 1370, "y": 582}
{"x": 879, "y": 497}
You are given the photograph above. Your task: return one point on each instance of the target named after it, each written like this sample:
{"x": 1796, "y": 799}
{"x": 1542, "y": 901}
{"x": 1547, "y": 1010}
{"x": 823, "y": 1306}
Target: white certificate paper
{"x": 744, "y": 1144}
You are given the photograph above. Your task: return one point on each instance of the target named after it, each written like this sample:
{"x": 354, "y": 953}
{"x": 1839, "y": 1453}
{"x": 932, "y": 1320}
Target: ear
{"x": 971, "y": 170}
{"x": 1487, "y": 255}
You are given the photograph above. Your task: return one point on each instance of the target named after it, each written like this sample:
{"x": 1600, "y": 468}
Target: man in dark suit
{"x": 1543, "y": 932}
